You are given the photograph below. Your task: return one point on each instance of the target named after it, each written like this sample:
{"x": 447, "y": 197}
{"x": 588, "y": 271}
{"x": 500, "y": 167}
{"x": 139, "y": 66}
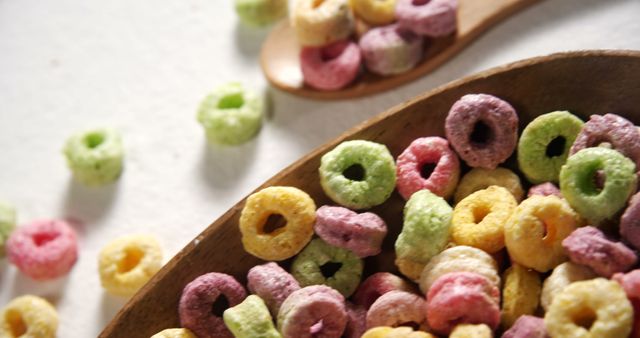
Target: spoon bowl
{"x": 280, "y": 54}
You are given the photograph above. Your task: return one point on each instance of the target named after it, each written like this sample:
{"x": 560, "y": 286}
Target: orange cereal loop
{"x": 128, "y": 262}
{"x": 471, "y": 331}
{"x": 478, "y": 219}
{"x": 28, "y": 317}
{"x": 479, "y": 178}
{"x": 592, "y": 308}
{"x": 535, "y": 230}
{"x": 520, "y": 294}
{"x": 297, "y": 208}
{"x": 174, "y": 333}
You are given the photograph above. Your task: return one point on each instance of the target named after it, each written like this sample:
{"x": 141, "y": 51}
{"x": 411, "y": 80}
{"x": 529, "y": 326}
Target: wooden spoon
{"x": 280, "y": 53}
{"x": 584, "y": 83}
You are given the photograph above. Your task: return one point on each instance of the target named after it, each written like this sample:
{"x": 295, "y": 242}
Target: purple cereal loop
{"x": 304, "y": 309}
{"x": 330, "y": 67}
{"x": 588, "y": 246}
{"x": 544, "y": 189}
{"x": 357, "y": 321}
{"x": 197, "y": 301}
{"x": 630, "y": 222}
{"x": 613, "y": 129}
{"x": 527, "y": 327}
{"x": 493, "y": 113}
{"x": 360, "y": 233}
{"x": 390, "y": 50}
{"x": 434, "y": 18}
{"x": 271, "y": 283}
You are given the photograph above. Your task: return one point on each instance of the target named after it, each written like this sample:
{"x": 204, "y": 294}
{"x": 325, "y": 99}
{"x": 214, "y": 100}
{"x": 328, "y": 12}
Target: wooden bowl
{"x": 585, "y": 83}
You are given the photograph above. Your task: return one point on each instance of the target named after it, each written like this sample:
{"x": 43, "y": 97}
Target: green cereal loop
{"x": 426, "y": 227}
{"x": 261, "y": 12}
{"x": 231, "y": 115}
{"x": 379, "y": 174}
{"x": 95, "y": 156}
{"x": 578, "y": 186}
{"x": 250, "y": 319}
{"x": 7, "y": 224}
{"x": 306, "y": 267}
{"x": 532, "y": 147}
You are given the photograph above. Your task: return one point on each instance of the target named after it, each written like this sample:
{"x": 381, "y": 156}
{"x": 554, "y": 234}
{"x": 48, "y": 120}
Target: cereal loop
{"x": 318, "y": 23}
{"x": 471, "y": 331}
{"x": 424, "y": 151}
{"x": 478, "y": 179}
{"x": 561, "y": 276}
{"x": 478, "y": 219}
{"x": 7, "y": 224}
{"x": 43, "y": 249}
{"x": 535, "y": 230}
{"x": 28, "y": 317}
{"x": 203, "y": 301}
{"x": 395, "y": 332}
{"x": 250, "y": 319}
{"x": 128, "y": 262}
{"x": 294, "y": 205}
{"x": 376, "y": 12}
{"x": 593, "y": 308}
{"x": 174, "y": 333}
{"x": 358, "y": 174}
{"x": 520, "y": 294}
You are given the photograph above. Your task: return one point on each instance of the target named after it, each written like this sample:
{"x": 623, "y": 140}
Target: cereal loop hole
{"x": 420, "y": 2}
{"x": 93, "y": 140}
{"x": 556, "y": 147}
{"x": 330, "y": 268}
{"x": 218, "y": 307}
{"x": 40, "y": 239}
{"x": 585, "y": 318}
{"x": 479, "y": 213}
{"x": 132, "y": 257}
{"x": 316, "y": 3}
{"x": 415, "y": 326}
{"x": 427, "y": 169}
{"x": 231, "y": 101}
{"x": 355, "y": 172}
{"x": 481, "y": 133}
{"x": 273, "y": 223}
{"x": 17, "y": 325}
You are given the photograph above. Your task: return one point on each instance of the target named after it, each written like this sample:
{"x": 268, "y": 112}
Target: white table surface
{"x": 142, "y": 67}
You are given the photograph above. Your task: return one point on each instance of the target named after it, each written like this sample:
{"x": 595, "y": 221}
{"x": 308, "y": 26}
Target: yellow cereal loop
{"x": 471, "y": 331}
{"x": 593, "y": 308}
{"x": 457, "y": 259}
{"x": 478, "y": 220}
{"x": 534, "y": 232}
{"x": 397, "y": 332}
{"x": 127, "y": 263}
{"x": 479, "y": 178}
{"x": 294, "y": 205}
{"x": 563, "y": 275}
{"x": 174, "y": 333}
{"x": 520, "y": 294}
{"x": 28, "y": 317}
{"x": 409, "y": 268}
{"x": 376, "y": 12}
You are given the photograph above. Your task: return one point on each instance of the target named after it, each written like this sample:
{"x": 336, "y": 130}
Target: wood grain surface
{"x": 280, "y": 52}
{"x": 585, "y": 83}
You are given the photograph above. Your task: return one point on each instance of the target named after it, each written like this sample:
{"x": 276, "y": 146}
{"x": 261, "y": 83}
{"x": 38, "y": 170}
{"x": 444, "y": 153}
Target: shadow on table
{"x": 52, "y": 290}
{"x": 88, "y": 204}
{"x": 249, "y": 39}
{"x": 110, "y": 307}
{"x": 221, "y": 166}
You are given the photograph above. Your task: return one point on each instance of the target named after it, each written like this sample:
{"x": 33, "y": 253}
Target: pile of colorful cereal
{"x": 387, "y": 36}
{"x": 481, "y": 258}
